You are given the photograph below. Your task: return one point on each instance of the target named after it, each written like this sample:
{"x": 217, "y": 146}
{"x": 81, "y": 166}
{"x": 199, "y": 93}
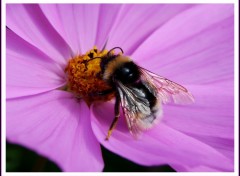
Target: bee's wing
{"x": 167, "y": 90}
{"x": 136, "y": 109}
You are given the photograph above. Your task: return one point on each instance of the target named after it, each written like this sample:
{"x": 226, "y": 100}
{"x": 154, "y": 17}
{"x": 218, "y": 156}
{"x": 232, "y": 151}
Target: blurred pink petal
{"x": 223, "y": 145}
{"x": 159, "y": 145}
{"x": 57, "y": 126}
{"x": 192, "y": 51}
{"x": 29, "y": 22}
{"x": 137, "y": 22}
{"x": 210, "y": 115}
{"x": 29, "y": 71}
{"x": 201, "y": 168}
{"x": 77, "y": 24}
{"x": 108, "y": 15}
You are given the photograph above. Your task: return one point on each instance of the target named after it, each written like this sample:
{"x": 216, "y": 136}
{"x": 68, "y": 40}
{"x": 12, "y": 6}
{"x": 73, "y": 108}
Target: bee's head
{"x": 126, "y": 73}
{"x": 122, "y": 69}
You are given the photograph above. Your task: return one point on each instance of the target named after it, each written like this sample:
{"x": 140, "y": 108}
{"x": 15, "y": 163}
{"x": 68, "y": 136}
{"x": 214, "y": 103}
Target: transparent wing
{"x": 136, "y": 109}
{"x": 167, "y": 90}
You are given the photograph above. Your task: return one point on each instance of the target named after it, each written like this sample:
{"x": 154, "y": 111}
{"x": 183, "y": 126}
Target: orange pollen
{"x": 84, "y": 77}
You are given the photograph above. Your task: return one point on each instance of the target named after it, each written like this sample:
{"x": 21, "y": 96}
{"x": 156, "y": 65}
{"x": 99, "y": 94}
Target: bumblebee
{"x": 139, "y": 92}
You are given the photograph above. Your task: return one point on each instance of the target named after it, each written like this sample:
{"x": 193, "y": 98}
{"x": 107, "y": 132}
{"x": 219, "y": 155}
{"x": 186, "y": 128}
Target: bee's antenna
{"x": 93, "y": 58}
{"x": 107, "y": 53}
{"x": 114, "y": 49}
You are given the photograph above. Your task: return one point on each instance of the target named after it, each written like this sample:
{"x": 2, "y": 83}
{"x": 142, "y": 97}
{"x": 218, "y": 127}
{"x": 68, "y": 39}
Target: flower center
{"x": 84, "y": 77}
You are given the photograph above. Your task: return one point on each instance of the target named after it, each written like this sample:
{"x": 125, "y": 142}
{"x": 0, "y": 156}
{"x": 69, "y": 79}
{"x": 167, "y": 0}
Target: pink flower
{"x": 189, "y": 44}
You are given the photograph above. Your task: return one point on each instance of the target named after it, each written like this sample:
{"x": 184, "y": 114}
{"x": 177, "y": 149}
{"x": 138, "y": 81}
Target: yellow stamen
{"x": 84, "y": 76}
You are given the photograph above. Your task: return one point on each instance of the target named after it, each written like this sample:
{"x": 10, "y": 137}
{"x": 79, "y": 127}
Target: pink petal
{"x": 212, "y": 114}
{"x": 195, "y": 46}
{"x": 223, "y": 145}
{"x": 202, "y": 169}
{"x": 87, "y": 17}
{"x": 199, "y": 168}
{"x": 135, "y": 23}
{"x": 64, "y": 22}
{"x": 77, "y": 24}
{"x": 108, "y": 14}
{"x": 58, "y": 127}
{"x": 29, "y": 23}
{"x": 29, "y": 71}
{"x": 160, "y": 145}
{"x": 82, "y": 26}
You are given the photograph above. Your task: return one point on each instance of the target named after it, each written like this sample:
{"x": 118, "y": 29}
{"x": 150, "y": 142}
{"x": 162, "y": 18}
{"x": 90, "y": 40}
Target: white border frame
{"x": 236, "y": 91}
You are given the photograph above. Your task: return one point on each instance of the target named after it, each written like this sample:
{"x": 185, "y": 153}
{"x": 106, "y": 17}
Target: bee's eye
{"x": 127, "y": 73}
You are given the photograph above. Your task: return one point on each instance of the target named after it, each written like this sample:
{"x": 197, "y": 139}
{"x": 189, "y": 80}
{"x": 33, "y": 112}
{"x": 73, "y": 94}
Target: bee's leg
{"x": 117, "y": 114}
